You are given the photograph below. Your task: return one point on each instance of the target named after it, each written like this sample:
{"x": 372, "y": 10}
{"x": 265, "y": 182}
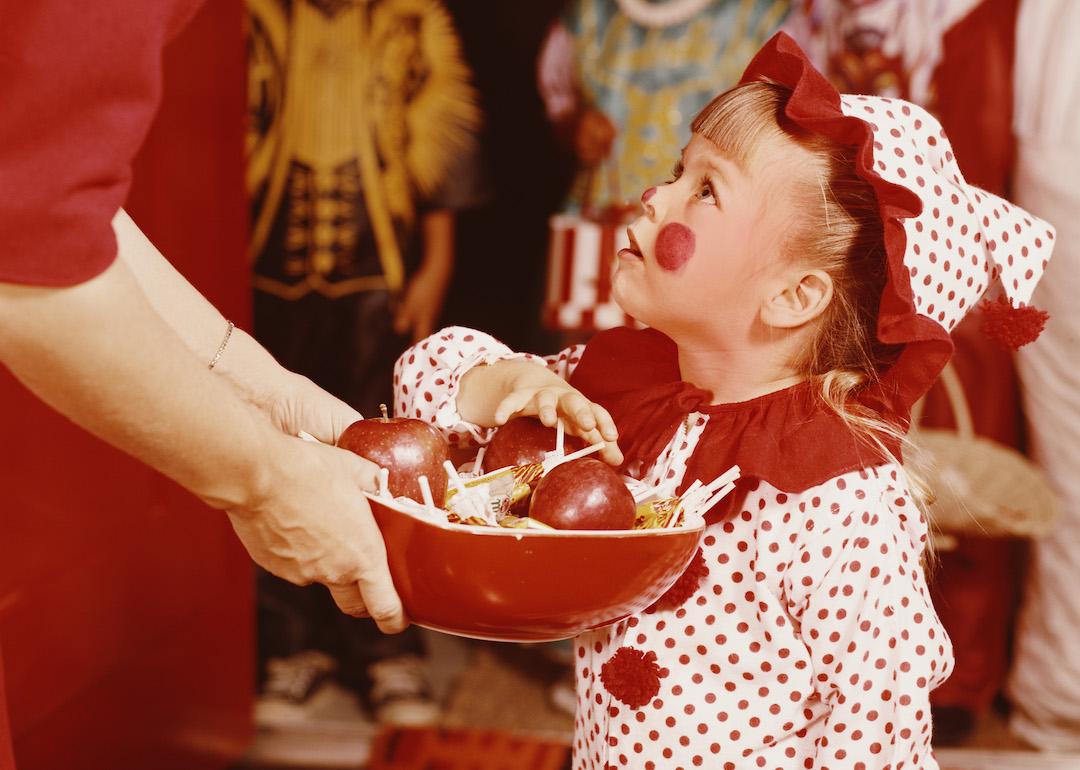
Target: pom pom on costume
{"x": 631, "y": 676}
{"x": 686, "y": 586}
{"x": 1012, "y": 327}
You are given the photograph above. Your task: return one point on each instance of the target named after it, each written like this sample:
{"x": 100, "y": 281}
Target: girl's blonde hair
{"x": 840, "y": 233}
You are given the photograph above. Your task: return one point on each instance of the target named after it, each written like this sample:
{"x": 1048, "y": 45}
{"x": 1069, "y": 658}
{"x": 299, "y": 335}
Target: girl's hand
{"x": 554, "y": 401}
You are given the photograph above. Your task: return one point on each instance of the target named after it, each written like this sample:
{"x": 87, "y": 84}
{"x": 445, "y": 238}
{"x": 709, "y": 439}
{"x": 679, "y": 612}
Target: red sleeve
{"x": 79, "y": 85}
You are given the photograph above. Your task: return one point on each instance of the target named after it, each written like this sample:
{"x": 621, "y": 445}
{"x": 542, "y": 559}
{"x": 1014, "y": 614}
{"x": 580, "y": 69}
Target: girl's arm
{"x": 466, "y": 382}
{"x": 877, "y": 645}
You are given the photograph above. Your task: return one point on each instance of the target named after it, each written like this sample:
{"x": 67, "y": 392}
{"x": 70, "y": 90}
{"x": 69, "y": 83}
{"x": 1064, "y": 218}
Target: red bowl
{"x": 527, "y": 585}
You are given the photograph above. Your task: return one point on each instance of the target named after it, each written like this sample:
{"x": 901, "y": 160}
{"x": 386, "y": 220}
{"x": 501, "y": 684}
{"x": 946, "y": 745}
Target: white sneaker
{"x": 400, "y": 694}
{"x": 304, "y": 719}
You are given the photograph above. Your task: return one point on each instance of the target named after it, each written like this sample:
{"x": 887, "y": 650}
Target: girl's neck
{"x": 735, "y": 375}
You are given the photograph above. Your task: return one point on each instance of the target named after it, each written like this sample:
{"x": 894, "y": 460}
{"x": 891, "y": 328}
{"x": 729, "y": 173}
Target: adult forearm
{"x": 100, "y": 354}
{"x": 195, "y": 320}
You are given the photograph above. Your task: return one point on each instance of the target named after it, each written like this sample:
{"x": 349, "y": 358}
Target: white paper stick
{"x": 425, "y": 492}
{"x": 384, "y": 482}
{"x": 478, "y": 464}
{"x": 560, "y": 437}
{"x": 644, "y": 493}
{"x": 581, "y": 453}
{"x": 451, "y": 471}
{"x": 716, "y": 498}
{"x": 307, "y": 437}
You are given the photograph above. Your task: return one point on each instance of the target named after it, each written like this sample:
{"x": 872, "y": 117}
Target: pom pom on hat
{"x": 1012, "y": 327}
{"x": 631, "y": 676}
{"x": 686, "y": 586}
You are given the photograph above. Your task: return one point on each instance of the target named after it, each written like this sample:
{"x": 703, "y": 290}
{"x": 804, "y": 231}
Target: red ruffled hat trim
{"x": 815, "y": 106}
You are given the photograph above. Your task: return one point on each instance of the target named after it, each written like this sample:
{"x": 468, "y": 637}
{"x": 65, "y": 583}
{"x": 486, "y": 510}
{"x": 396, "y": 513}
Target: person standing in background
{"x": 361, "y": 150}
{"x": 609, "y": 68}
{"x": 1044, "y": 687}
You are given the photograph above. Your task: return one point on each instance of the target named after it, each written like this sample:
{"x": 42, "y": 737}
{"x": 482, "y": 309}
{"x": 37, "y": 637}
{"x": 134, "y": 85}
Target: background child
{"x": 800, "y": 275}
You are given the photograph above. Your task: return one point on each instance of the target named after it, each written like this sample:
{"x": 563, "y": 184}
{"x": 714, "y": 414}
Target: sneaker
{"x": 400, "y": 694}
{"x": 305, "y": 719}
{"x": 290, "y": 683}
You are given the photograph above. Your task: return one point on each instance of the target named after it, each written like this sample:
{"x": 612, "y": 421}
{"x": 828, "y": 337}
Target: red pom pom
{"x": 1011, "y": 327}
{"x": 686, "y": 586}
{"x": 631, "y": 676}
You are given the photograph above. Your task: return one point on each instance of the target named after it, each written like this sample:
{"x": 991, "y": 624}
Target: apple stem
{"x": 560, "y": 435}
{"x": 385, "y": 414}
{"x": 478, "y": 464}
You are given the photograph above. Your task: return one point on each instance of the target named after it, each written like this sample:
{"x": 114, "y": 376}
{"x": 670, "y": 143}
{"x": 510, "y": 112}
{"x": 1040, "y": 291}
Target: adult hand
{"x": 311, "y": 524}
{"x": 298, "y": 404}
{"x": 594, "y": 137}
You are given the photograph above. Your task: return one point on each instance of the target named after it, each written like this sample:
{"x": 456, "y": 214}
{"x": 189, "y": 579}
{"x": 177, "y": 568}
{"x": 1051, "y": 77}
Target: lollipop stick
{"x": 581, "y": 453}
{"x": 560, "y": 436}
{"x": 425, "y": 492}
{"x": 478, "y": 464}
{"x": 716, "y": 498}
{"x": 384, "y": 482}
{"x": 451, "y": 471}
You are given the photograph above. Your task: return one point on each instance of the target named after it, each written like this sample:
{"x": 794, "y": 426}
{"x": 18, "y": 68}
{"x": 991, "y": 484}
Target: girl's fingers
{"x": 578, "y": 409}
{"x": 605, "y": 423}
{"x": 511, "y": 405}
{"x": 546, "y": 407}
{"x": 611, "y": 454}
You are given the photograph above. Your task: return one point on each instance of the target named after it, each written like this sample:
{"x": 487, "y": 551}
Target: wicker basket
{"x": 980, "y": 487}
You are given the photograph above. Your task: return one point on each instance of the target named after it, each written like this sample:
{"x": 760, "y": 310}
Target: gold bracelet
{"x": 221, "y": 348}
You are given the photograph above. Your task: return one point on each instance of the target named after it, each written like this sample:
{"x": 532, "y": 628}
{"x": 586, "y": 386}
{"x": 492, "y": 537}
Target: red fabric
{"x": 125, "y": 604}
{"x": 789, "y": 439}
{"x": 814, "y": 105}
{"x": 79, "y": 83}
{"x": 7, "y": 756}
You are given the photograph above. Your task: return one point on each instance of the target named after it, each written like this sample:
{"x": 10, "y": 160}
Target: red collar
{"x": 790, "y": 438}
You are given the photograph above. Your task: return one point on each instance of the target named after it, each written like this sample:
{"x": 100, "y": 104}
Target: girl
{"x": 799, "y": 275}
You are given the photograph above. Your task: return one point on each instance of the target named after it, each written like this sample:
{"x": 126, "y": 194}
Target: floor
{"x": 505, "y": 687}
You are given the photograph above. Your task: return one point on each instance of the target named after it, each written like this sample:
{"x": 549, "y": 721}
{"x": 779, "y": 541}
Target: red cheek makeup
{"x": 674, "y": 246}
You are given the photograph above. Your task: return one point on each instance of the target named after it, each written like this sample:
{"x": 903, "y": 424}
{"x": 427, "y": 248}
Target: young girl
{"x": 799, "y": 276}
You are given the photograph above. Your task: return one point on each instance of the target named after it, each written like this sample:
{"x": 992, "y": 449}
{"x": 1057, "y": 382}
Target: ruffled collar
{"x": 790, "y": 438}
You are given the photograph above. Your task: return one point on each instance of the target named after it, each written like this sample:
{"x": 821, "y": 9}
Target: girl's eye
{"x": 705, "y": 191}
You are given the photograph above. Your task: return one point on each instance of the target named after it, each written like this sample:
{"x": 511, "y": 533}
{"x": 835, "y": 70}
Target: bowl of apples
{"x": 529, "y": 542}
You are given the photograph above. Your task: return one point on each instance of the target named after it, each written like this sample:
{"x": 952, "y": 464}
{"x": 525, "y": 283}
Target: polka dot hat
{"x": 948, "y": 243}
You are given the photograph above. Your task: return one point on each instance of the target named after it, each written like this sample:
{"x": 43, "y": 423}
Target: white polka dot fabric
{"x": 811, "y": 643}
{"x": 966, "y": 241}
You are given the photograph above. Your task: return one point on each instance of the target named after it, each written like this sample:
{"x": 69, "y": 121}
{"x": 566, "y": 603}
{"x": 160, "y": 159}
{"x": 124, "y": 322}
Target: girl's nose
{"x": 645, "y": 198}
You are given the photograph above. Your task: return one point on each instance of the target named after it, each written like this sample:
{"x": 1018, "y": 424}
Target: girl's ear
{"x": 798, "y": 301}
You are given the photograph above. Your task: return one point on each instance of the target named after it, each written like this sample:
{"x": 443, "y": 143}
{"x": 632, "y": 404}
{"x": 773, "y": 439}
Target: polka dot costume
{"x": 965, "y": 240}
{"x": 810, "y": 641}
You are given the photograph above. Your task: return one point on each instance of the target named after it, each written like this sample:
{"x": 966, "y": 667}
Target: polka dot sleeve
{"x": 856, "y": 588}
{"x": 427, "y": 377}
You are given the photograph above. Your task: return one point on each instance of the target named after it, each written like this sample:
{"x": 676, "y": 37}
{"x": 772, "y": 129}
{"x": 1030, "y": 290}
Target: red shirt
{"x": 79, "y": 86}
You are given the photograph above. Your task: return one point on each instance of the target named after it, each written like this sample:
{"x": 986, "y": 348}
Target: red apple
{"x": 524, "y": 440}
{"x": 407, "y": 448}
{"x": 583, "y": 494}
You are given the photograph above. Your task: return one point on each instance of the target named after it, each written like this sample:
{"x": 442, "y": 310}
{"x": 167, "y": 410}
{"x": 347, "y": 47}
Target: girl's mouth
{"x": 633, "y": 250}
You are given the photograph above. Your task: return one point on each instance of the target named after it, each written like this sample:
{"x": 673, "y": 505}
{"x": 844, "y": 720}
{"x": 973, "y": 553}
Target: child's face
{"x": 708, "y": 246}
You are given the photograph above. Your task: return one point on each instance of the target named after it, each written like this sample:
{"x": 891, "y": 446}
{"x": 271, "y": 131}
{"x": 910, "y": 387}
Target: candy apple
{"x": 407, "y": 448}
{"x": 524, "y": 440}
{"x": 583, "y": 494}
